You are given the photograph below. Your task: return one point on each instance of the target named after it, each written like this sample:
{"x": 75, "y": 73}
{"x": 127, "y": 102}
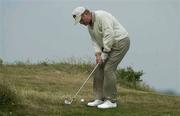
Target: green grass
{"x": 42, "y": 88}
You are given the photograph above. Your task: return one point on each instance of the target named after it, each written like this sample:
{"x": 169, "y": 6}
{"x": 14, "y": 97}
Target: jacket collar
{"x": 93, "y": 19}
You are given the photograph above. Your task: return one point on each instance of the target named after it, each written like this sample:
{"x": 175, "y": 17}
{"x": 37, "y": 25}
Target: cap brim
{"x": 77, "y": 20}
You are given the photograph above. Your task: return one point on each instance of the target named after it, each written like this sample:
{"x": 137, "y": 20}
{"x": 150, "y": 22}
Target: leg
{"x": 98, "y": 87}
{"x": 98, "y": 83}
{"x": 116, "y": 56}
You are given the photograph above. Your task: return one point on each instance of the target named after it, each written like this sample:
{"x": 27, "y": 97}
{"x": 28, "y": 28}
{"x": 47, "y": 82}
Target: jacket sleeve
{"x": 97, "y": 48}
{"x": 107, "y": 30}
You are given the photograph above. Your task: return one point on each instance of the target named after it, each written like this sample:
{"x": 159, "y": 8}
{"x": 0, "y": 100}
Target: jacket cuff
{"x": 106, "y": 50}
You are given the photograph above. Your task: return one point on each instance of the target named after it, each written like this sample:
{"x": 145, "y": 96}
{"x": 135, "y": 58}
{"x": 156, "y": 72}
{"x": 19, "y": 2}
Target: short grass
{"x": 41, "y": 91}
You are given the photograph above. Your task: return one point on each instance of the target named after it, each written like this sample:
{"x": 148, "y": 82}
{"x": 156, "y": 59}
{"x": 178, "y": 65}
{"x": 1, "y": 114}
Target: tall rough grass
{"x": 1, "y": 62}
{"x": 127, "y": 77}
{"x": 8, "y": 93}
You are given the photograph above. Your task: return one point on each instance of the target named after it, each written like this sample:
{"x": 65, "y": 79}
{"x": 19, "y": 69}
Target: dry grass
{"x": 42, "y": 90}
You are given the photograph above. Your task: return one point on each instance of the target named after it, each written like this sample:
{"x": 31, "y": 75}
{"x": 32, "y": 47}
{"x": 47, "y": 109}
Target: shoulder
{"x": 101, "y": 15}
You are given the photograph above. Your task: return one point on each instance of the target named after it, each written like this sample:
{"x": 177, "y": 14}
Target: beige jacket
{"x": 105, "y": 31}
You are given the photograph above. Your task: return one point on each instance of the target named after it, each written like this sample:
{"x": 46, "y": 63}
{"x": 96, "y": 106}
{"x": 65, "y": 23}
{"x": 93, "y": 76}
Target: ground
{"x": 41, "y": 91}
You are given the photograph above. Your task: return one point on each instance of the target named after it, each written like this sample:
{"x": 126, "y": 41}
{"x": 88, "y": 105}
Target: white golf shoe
{"x": 107, "y": 104}
{"x": 95, "y": 103}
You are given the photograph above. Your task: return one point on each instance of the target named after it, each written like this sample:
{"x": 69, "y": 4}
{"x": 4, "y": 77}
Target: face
{"x": 85, "y": 19}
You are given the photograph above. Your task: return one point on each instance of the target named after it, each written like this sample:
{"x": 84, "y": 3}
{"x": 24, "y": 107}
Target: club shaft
{"x": 85, "y": 82}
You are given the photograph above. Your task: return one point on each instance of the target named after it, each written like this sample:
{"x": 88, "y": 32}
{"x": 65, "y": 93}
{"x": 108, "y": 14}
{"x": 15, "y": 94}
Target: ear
{"x": 86, "y": 13}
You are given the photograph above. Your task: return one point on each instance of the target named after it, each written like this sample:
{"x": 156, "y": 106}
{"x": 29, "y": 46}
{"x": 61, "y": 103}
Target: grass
{"x": 42, "y": 89}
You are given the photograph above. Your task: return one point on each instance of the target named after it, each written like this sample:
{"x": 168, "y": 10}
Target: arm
{"x": 97, "y": 51}
{"x": 107, "y": 30}
{"x": 97, "y": 48}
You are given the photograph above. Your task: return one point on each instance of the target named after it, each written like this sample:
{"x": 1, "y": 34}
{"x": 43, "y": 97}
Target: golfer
{"x": 111, "y": 43}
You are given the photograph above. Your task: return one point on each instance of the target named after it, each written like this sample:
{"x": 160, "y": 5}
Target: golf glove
{"x": 104, "y": 56}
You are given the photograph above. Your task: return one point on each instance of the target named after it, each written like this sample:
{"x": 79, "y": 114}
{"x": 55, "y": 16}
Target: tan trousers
{"x": 104, "y": 83}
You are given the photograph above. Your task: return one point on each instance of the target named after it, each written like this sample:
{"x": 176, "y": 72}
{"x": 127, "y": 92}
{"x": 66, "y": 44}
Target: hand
{"x": 98, "y": 58}
{"x": 104, "y": 56}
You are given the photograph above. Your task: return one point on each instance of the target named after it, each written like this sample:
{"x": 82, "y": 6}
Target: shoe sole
{"x": 95, "y": 105}
{"x": 107, "y": 108}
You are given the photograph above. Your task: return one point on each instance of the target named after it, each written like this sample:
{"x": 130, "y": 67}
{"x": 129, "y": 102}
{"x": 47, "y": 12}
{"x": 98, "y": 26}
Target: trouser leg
{"x": 116, "y": 56}
{"x": 98, "y": 82}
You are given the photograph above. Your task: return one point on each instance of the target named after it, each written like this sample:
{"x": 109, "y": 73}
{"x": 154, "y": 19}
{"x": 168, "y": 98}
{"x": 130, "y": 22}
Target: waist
{"x": 120, "y": 36}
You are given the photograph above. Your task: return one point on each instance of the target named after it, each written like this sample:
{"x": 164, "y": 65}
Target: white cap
{"x": 78, "y": 12}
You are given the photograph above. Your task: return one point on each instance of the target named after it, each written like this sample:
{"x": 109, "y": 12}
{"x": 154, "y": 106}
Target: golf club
{"x": 68, "y": 102}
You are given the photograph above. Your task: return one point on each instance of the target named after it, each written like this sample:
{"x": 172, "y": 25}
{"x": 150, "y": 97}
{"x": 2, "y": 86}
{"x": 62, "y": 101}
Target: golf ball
{"x": 82, "y": 100}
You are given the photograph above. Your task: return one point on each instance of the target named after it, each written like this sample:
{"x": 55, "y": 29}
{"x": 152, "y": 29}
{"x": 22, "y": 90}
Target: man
{"x": 111, "y": 42}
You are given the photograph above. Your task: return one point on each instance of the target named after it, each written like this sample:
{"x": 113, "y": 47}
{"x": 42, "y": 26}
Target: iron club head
{"x": 67, "y": 102}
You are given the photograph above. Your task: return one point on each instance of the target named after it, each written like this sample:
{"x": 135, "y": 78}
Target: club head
{"x": 67, "y": 102}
